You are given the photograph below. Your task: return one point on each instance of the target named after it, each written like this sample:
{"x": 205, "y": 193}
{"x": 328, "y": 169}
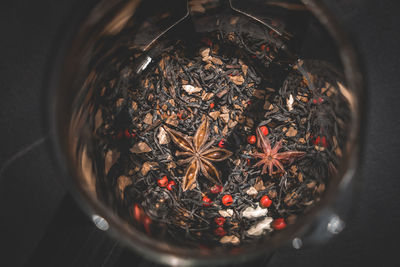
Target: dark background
{"x": 40, "y": 224}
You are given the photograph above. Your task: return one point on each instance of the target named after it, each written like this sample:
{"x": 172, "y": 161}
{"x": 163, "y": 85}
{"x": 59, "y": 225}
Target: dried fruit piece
{"x": 265, "y": 202}
{"x": 227, "y": 200}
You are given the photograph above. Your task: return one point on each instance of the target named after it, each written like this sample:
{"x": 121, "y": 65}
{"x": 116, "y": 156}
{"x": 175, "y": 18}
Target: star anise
{"x": 270, "y": 156}
{"x": 199, "y": 155}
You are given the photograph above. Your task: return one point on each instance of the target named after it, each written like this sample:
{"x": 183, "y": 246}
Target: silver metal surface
{"x": 100, "y": 222}
{"x": 335, "y": 225}
{"x": 297, "y": 243}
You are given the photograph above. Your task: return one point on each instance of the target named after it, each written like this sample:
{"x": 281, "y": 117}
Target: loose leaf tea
{"x": 223, "y": 139}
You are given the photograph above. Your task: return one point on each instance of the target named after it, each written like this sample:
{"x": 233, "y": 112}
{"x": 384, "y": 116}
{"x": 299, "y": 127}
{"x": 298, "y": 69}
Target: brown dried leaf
{"x": 172, "y": 120}
{"x": 291, "y": 132}
{"x": 244, "y": 69}
{"x": 163, "y": 137}
{"x": 190, "y": 89}
{"x": 222, "y": 93}
{"x": 204, "y": 52}
{"x": 134, "y": 105}
{"x": 225, "y": 130}
{"x": 207, "y": 96}
{"x": 214, "y": 114}
{"x": 119, "y": 102}
{"x": 123, "y": 181}
{"x": 238, "y": 79}
{"x": 147, "y": 166}
{"x": 216, "y": 61}
{"x": 259, "y": 185}
{"x": 259, "y": 94}
{"x": 224, "y": 117}
{"x": 140, "y": 147}
{"x": 148, "y": 119}
{"x": 232, "y": 123}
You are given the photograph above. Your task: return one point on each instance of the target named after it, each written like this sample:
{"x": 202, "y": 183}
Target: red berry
{"x": 323, "y": 141}
{"x": 146, "y": 223}
{"x": 221, "y": 143}
{"x": 120, "y": 134}
{"x": 220, "y": 231}
{"x": 215, "y": 189}
{"x": 180, "y": 114}
{"x": 206, "y": 41}
{"x": 206, "y": 201}
{"x": 137, "y": 212}
{"x": 264, "y": 130}
{"x": 279, "y": 224}
{"x": 249, "y": 103}
{"x": 318, "y": 100}
{"x": 262, "y": 47}
{"x": 163, "y": 182}
{"x": 317, "y": 140}
{"x": 220, "y": 221}
{"x": 212, "y": 105}
{"x": 320, "y": 141}
{"x": 171, "y": 185}
{"x": 265, "y": 202}
{"x": 127, "y": 134}
{"x": 248, "y": 162}
{"x": 251, "y": 139}
{"x": 227, "y": 200}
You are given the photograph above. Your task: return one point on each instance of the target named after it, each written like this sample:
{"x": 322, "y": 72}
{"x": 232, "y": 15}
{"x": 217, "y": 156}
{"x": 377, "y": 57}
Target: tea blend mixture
{"x": 223, "y": 139}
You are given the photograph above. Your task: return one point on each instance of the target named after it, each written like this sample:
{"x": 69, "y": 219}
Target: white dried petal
{"x": 234, "y": 240}
{"x": 260, "y": 227}
{"x": 251, "y": 212}
{"x": 226, "y": 213}
{"x": 190, "y": 89}
{"x": 289, "y": 103}
{"x": 252, "y": 191}
{"x": 163, "y": 137}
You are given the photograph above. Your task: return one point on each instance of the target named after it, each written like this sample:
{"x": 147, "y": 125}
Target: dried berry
{"x": 220, "y": 231}
{"x": 171, "y": 185}
{"x": 215, "y": 189}
{"x": 264, "y": 130}
{"x": 227, "y": 200}
{"x": 163, "y": 182}
{"x": 221, "y": 143}
{"x": 206, "y": 201}
{"x": 278, "y": 224}
{"x": 265, "y": 202}
{"x": 219, "y": 221}
{"x": 252, "y": 139}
